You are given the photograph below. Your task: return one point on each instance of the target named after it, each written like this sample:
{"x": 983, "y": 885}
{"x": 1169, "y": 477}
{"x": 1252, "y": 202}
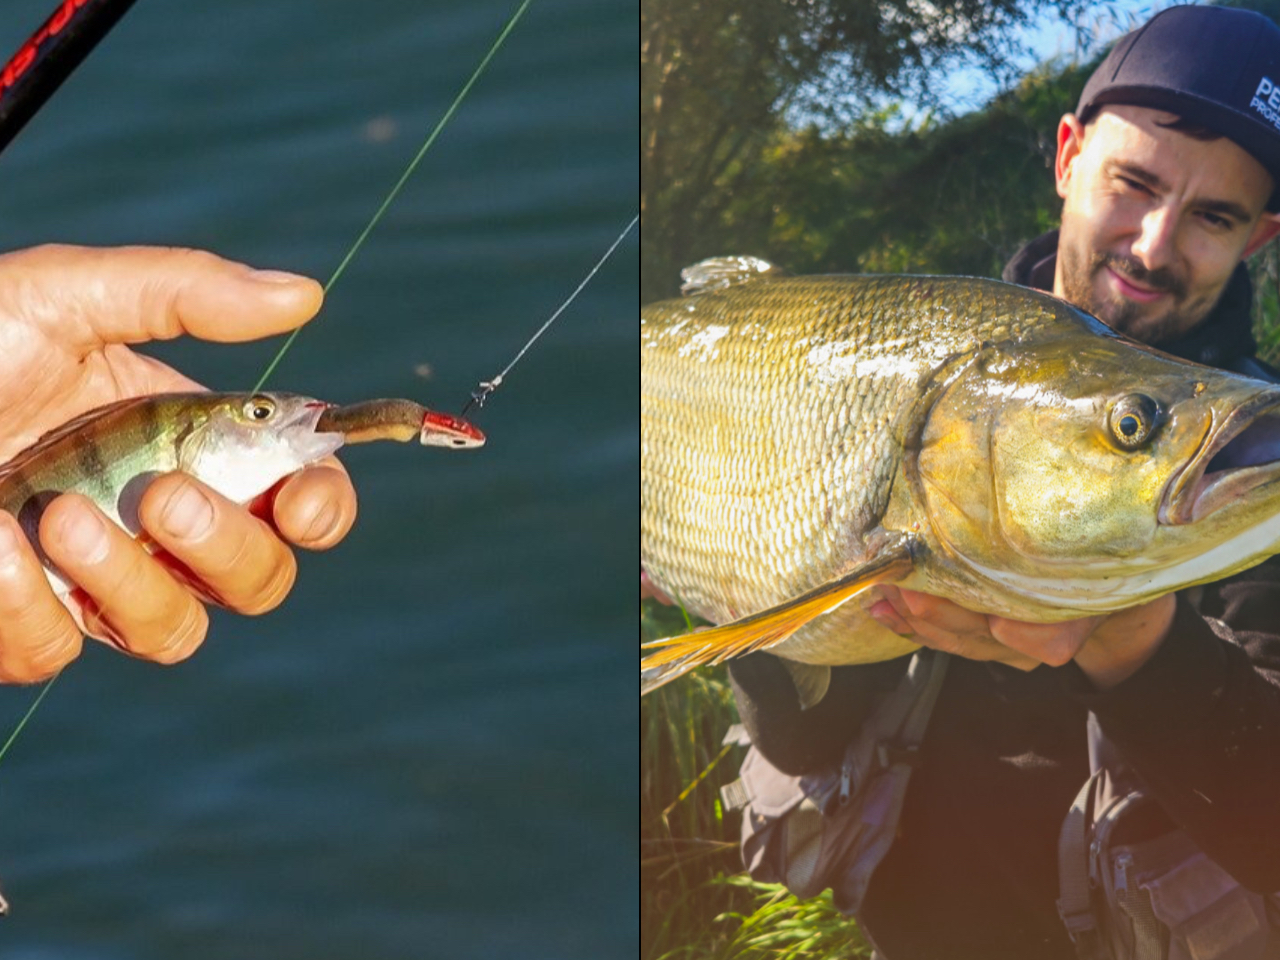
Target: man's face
{"x": 1153, "y": 221}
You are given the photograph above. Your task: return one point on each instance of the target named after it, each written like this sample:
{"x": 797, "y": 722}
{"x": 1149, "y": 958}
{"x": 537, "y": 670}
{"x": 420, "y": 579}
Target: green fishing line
{"x": 373, "y": 222}
{"x": 27, "y": 716}
{"x": 408, "y": 172}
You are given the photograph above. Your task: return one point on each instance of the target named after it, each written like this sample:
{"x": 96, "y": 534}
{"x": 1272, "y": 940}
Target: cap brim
{"x": 1250, "y": 133}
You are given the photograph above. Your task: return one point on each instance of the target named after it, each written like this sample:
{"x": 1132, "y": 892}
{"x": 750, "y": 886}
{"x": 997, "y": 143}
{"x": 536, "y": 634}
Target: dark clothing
{"x": 973, "y": 873}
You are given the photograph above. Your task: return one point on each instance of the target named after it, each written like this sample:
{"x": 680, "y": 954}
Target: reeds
{"x": 696, "y": 903}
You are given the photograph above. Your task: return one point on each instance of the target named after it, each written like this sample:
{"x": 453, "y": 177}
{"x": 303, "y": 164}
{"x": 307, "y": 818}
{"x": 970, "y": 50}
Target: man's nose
{"x": 1156, "y": 238}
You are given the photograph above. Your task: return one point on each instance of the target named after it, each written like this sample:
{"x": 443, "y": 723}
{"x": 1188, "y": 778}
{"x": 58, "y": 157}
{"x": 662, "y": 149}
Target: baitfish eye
{"x": 1133, "y": 420}
{"x": 259, "y": 408}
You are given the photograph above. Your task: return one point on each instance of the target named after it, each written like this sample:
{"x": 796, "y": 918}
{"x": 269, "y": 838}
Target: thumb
{"x": 90, "y": 296}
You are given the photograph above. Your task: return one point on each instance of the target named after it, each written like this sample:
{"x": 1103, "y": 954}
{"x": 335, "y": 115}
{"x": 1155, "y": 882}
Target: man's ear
{"x": 1268, "y": 226}
{"x": 1070, "y": 143}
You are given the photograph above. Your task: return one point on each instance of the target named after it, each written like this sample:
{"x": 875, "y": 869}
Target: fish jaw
{"x": 242, "y": 463}
{"x": 1240, "y": 454}
{"x": 1061, "y": 521}
{"x": 307, "y": 443}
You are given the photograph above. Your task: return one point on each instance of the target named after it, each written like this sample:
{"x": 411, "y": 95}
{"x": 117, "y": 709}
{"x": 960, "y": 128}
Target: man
{"x": 66, "y": 315}
{"x": 1169, "y": 173}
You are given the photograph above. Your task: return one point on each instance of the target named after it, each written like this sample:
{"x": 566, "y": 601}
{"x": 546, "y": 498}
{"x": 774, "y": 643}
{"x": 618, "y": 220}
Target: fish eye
{"x": 259, "y": 408}
{"x": 1133, "y": 420}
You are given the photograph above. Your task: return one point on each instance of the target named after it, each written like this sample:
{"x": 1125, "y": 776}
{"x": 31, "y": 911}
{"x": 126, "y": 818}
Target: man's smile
{"x": 1130, "y": 289}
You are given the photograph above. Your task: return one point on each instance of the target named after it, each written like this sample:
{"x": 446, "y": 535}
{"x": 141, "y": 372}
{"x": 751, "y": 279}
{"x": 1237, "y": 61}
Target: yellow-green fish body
{"x": 795, "y": 429}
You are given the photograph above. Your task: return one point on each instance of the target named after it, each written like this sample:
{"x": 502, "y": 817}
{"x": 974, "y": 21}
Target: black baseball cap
{"x": 1215, "y": 67}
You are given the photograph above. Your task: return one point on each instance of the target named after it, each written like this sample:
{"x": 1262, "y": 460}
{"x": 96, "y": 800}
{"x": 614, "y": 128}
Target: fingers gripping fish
{"x": 240, "y": 444}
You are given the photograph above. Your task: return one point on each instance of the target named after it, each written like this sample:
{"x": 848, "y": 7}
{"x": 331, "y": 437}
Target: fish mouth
{"x": 1240, "y": 455}
{"x": 309, "y": 442}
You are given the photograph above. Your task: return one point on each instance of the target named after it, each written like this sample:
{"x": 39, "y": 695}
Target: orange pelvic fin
{"x": 676, "y": 656}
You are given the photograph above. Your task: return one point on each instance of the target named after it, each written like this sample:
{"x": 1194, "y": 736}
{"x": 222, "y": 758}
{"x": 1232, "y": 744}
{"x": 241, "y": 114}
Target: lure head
{"x": 242, "y": 443}
{"x": 445, "y": 430}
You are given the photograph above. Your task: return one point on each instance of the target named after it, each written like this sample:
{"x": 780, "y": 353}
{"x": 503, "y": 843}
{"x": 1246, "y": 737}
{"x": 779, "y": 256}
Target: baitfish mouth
{"x": 301, "y": 426}
{"x": 309, "y": 414}
{"x": 1240, "y": 455}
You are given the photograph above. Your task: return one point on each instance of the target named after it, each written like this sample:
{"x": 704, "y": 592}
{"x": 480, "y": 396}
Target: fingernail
{"x": 274, "y": 276}
{"x": 83, "y": 534}
{"x": 322, "y": 524}
{"x": 188, "y": 514}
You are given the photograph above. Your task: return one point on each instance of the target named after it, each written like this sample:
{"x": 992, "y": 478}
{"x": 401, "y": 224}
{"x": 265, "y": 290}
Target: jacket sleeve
{"x": 800, "y": 741}
{"x": 1200, "y": 723}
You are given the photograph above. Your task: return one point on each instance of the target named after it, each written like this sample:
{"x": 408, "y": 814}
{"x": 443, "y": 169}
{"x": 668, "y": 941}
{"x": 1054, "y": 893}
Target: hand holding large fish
{"x": 805, "y": 440}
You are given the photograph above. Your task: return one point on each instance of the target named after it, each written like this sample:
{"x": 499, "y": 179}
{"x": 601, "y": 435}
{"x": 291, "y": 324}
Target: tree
{"x": 721, "y": 78}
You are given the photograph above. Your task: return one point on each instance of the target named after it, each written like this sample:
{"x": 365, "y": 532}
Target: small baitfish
{"x": 239, "y": 444}
{"x": 804, "y": 439}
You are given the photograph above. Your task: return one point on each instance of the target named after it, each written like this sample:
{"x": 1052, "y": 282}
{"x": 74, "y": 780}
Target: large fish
{"x": 239, "y": 444}
{"x": 804, "y": 439}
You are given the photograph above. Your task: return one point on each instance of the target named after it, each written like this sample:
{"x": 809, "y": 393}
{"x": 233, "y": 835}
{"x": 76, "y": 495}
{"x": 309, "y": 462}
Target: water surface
{"x": 429, "y": 750}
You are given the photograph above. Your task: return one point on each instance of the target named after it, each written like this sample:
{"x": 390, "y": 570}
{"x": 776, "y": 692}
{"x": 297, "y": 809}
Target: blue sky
{"x": 1050, "y": 37}
{"x": 967, "y": 88}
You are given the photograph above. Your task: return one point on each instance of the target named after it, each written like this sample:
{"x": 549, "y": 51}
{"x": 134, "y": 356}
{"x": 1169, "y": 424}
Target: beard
{"x": 1080, "y": 270}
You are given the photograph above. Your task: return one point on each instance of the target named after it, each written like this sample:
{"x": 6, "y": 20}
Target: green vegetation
{"x": 886, "y": 196}
{"x": 696, "y": 904}
{"x": 724, "y": 82}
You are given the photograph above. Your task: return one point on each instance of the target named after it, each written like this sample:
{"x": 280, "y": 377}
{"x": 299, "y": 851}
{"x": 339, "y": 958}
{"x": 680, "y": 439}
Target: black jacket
{"x": 973, "y": 872}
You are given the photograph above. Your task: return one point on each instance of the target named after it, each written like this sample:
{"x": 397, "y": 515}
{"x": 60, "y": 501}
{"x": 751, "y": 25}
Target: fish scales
{"x": 755, "y": 484}
{"x": 95, "y": 456}
{"x": 1016, "y": 454}
{"x": 237, "y": 444}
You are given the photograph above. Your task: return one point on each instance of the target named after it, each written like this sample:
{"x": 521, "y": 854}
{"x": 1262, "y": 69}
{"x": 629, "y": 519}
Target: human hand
{"x": 66, "y": 315}
{"x": 1107, "y": 648}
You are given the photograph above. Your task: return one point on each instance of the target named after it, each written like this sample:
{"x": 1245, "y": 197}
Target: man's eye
{"x": 1133, "y": 184}
{"x": 1215, "y": 221}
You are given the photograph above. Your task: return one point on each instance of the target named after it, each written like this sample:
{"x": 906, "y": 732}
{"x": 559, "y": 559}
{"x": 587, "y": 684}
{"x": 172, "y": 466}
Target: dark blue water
{"x": 429, "y": 750}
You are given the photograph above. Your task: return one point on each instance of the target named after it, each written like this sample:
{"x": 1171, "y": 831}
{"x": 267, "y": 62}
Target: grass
{"x": 1264, "y": 269}
{"x": 696, "y": 902}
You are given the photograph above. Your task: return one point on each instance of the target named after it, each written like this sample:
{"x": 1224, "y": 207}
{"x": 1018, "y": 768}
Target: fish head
{"x": 243, "y": 443}
{"x": 1092, "y": 470}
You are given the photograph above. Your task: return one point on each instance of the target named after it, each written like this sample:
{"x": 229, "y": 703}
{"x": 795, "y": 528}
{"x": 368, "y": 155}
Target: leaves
{"x": 720, "y": 78}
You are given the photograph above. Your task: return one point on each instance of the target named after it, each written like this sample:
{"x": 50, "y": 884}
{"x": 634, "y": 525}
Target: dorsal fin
{"x": 721, "y": 272}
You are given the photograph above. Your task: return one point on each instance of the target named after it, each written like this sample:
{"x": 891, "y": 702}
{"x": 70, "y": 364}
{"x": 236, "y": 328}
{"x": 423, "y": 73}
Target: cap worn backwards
{"x": 1215, "y": 67}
